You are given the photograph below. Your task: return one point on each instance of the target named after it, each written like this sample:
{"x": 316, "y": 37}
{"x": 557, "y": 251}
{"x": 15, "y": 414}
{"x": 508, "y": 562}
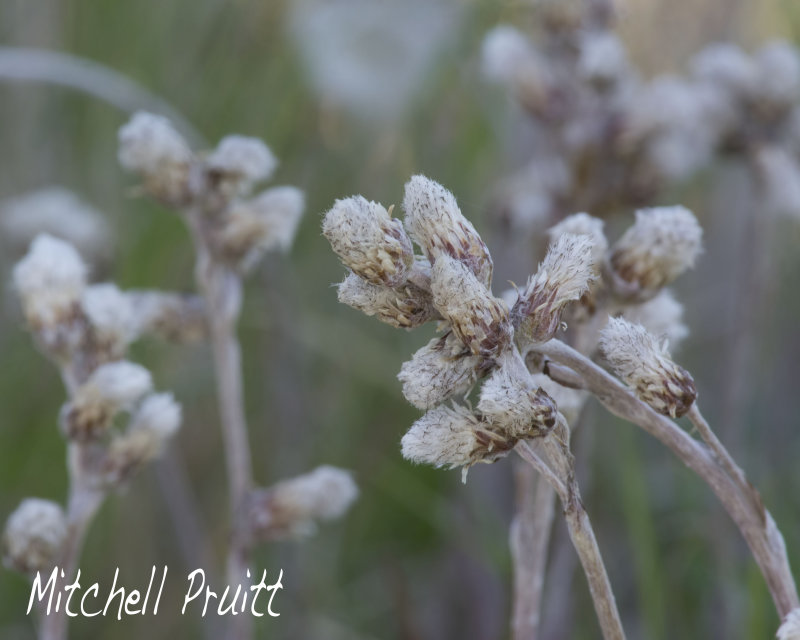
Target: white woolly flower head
{"x": 112, "y": 387}
{"x": 440, "y": 370}
{"x": 155, "y": 421}
{"x": 58, "y": 212}
{"x": 478, "y": 319}
{"x": 50, "y": 280}
{"x": 647, "y": 367}
{"x": 780, "y": 172}
{"x": 790, "y": 628}
{"x": 369, "y": 240}
{"x": 444, "y": 436}
{"x": 325, "y": 493}
{"x": 436, "y": 224}
{"x": 148, "y": 143}
{"x": 662, "y": 316}
{"x": 662, "y": 244}
{"x": 778, "y": 65}
{"x": 509, "y": 57}
{"x": 112, "y": 317}
{"x": 727, "y": 66}
{"x": 563, "y": 276}
{"x": 34, "y": 535}
{"x": 602, "y": 57}
{"x": 405, "y": 306}
{"x": 280, "y": 210}
{"x": 242, "y": 157}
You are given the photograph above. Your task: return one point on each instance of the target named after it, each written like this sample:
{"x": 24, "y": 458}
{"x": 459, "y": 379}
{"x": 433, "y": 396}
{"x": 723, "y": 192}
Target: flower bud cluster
{"x": 214, "y": 189}
{"x": 451, "y": 282}
{"x": 34, "y": 536}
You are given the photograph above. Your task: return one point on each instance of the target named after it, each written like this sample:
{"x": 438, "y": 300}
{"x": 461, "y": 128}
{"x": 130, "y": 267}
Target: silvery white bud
{"x": 34, "y": 535}
{"x": 790, "y": 628}
{"x": 242, "y": 159}
{"x": 111, "y": 316}
{"x": 662, "y": 316}
{"x": 369, "y": 241}
{"x": 646, "y": 367}
{"x": 436, "y": 224}
{"x": 405, "y": 306}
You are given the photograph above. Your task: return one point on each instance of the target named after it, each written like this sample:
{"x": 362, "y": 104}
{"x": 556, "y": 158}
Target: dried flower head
{"x": 293, "y": 507}
{"x": 790, "y": 628}
{"x": 155, "y": 421}
{"x": 563, "y": 276}
{"x": 34, "y": 535}
{"x": 111, "y": 388}
{"x": 582, "y": 224}
{"x": 251, "y": 227}
{"x": 440, "y": 370}
{"x": 436, "y": 224}
{"x": 508, "y": 400}
{"x": 241, "y": 160}
{"x": 509, "y": 58}
{"x": 150, "y": 145}
{"x": 569, "y": 401}
{"x": 478, "y": 319}
{"x": 662, "y": 244}
{"x": 112, "y": 318}
{"x": 646, "y": 366}
{"x": 405, "y": 306}
{"x": 369, "y": 241}
{"x": 50, "y": 280}
{"x": 58, "y": 212}
{"x": 454, "y": 437}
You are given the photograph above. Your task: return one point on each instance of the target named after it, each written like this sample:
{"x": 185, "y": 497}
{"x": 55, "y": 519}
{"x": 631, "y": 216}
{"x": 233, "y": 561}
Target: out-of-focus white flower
{"x": 34, "y": 535}
{"x": 780, "y": 172}
{"x": 662, "y": 316}
{"x": 112, "y": 317}
{"x": 245, "y": 158}
{"x": 59, "y": 213}
{"x": 728, "y": 67}
{"x": 50, "y": 280}
{"x": 372, "y": 57}
{"x": 790, "y": 629}
{"x": 602, "y": 57}
{"x": 778, "y": 74}
{"x": 148, "y": 143}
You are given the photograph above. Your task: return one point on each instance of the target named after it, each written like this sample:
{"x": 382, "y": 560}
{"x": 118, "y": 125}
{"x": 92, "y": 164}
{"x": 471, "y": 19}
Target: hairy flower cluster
{"x": 34, "y": 535}
{"x": 292, "y": 508}
{"x": 647, "y": 367}
{"x": 215, "y": 188}
{"x": 451, "y": 282}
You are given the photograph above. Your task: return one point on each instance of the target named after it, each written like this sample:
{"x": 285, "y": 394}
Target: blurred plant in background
{"x": 389, "y": 570}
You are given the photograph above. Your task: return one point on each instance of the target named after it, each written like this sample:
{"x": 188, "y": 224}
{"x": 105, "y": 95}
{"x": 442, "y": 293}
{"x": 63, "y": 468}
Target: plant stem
{"x": 756, "y": 524}
{"x": 529, "y": 540}
{"x": 580, "y": 531}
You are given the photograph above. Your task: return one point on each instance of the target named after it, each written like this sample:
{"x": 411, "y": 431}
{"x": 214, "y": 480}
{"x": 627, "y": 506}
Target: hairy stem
{"x": 754, "y": 521}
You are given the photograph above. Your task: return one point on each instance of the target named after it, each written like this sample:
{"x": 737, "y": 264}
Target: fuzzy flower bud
{"x": 50, "y": 280}
{"x": 790, "y": 629}
{"x": 156, "y": 420}
{"x": 112, "y": 387}
{"x": 34, "y": 535}
{"x": 563, "y": 276}
{"x": 441, "y": 369}
{"x": 405, "y": 306}
{"x": 293, "y": 507}
{"x": 602, "y": 57}
{"x": 242, "y": 159}
{"x": 479, "y": 319}
{"x": 172, "y": 316}
{"x": 510, "y": 59}
{"x": 150, "y": 146}
{"x": 646, "y": 366}
{"x": 266, "y": 222}
{"x": 662, "y": 244}
{"x": 455, "y": 437}
{"x": 727, "y": 66}
{"x": 369, "y": 241}
{"x": 569, "y": 401}
{"x": 778, "y": 74}
{"x": 112, "y": 318}
{"x": 508, "y": 400}
{"x": 436, "y": 224}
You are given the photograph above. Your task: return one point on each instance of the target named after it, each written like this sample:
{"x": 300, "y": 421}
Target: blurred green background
{"x": 354, "y": 96}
